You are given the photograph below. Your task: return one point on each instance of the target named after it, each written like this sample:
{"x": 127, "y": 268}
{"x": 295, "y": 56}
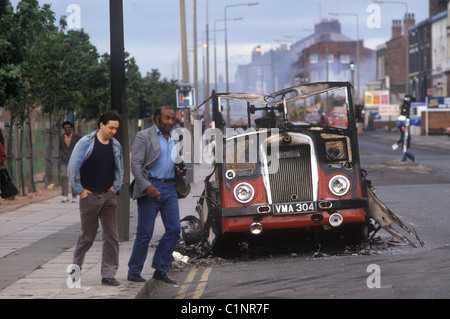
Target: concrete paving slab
{"x": 54, "y": 228}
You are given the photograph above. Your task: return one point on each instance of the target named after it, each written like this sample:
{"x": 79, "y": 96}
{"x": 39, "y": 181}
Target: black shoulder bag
{"x": 8, "y": 186}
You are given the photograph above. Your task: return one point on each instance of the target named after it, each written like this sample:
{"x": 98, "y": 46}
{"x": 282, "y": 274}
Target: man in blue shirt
{"x": 153, "y": 168}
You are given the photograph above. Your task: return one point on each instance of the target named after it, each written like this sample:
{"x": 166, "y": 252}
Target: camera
{"x": 182, "y": 167}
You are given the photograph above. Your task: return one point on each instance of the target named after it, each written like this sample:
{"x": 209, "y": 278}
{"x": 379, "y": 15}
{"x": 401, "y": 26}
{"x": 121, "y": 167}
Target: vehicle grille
{"x": 293, "y": 181}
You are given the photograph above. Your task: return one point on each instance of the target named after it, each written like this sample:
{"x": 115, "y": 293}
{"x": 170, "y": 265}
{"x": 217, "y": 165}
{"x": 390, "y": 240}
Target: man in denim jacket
{"x": 96, "y": 172}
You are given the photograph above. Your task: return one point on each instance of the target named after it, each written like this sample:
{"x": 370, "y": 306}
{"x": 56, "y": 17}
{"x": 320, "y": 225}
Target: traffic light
{"x": 406, "y": 106}
{"x": 352, "y": 65}
{"x": 145, "y": 108}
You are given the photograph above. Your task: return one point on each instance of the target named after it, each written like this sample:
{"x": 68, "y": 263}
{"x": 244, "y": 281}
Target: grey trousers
{"x": 65, "y": 182}
{"x": 92, "y": 208}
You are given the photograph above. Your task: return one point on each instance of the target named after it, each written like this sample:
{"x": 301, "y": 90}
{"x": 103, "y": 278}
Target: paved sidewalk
{"x": 30, "y": 233}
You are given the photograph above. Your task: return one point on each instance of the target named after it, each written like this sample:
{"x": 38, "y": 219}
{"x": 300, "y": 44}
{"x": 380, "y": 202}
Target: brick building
{"x": 437, "y": 6}
{"x": 420, "y": 60}
{"x": 307, "y": 61}
{"x": 427, "y": 56}
{"x": 391, "y": 72}
{"x": 427, "y": 59}
{"x": 329, "y": 58}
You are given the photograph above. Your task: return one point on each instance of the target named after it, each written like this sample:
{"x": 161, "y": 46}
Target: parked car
{"x": 313, "y": 118}
{"x": 338, "y": 118}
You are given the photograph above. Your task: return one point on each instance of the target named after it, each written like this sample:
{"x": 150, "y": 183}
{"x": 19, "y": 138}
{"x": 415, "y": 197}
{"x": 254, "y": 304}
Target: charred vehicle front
{"x": 281, "y": 173}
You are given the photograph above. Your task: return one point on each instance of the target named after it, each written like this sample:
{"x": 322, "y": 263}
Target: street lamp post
{"x": 207, "y": 105}
{"x": 184, "y": 52}
{"x": 226, "y": 50}
{"x": 195, "y": 54}
{"x": 185, "y": 82}
{"x": 407, "y": 98}
{"x": 294, "y": 54}
{"x": 357, "y": 50}
{"x": 118, "y": 103}
{"x": 215, "y": 51}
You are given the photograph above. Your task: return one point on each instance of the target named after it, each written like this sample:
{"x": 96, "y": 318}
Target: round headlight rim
{"x": 230, "y": 174}
{"x": 252, "y": 192}
{"x": 334, "y": 178}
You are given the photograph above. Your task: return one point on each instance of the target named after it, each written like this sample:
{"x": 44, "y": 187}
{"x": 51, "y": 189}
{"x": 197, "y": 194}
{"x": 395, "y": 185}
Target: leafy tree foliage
{"x": 10, "y": 72}
{"x": 45, "y": 67}
{"x": 158, "y": 91}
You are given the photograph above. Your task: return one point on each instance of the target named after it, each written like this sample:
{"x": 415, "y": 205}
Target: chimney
{"x": 409, "y": 21}
{"x": 396, "y": 28}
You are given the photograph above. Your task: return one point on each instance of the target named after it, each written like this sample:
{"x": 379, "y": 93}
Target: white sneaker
{"x": 64, "y": 199}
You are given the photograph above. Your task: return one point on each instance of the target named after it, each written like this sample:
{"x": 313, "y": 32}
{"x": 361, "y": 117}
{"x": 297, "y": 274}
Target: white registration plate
{"x": 294, "y": 208}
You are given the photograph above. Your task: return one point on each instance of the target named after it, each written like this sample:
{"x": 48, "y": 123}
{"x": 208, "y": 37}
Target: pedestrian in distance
{"x": 67, "y": 142}
{"x": 2, "y": 160}
{"x": 154, "y": 172}
{"x": 2, "y": 138}
{"x": 401, "y": 142}
{"x": 96, "y": 174}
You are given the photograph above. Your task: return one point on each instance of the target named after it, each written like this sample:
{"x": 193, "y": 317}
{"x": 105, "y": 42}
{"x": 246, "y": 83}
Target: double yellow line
{"x": 199, "y": 284}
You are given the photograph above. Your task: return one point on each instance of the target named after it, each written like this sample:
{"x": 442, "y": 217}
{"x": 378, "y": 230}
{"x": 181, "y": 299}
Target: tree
{"x": 52, "y": 69}
{"x": 151, "y": 88}
{"x": 134, "y": 87}
{"x": 10, "y": 72}
{"x": 27, "y": 28}
{"x": 159, "y": 92}
{"x": 75, "y": 76}
{"x": 46, "y": 67}
{"x": 72, "y": 77}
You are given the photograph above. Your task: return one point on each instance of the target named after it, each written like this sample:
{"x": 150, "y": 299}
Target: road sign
{"x": 185, "y": 98}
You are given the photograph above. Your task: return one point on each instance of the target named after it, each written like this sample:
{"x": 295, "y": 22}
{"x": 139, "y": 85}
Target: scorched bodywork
{"x": 279, "y": 172}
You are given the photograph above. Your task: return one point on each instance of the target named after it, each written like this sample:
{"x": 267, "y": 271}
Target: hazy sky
{"x": 152, "y": 27}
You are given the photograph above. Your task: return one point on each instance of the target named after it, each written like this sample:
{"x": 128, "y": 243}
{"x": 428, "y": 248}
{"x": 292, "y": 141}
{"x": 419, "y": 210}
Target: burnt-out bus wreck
{"x": 278, "y": 175}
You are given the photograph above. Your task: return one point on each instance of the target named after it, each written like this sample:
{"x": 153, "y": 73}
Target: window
{"x": 313, "y": 58}
{"x": 345, "y": 58}
{"x": 330, "y": 58}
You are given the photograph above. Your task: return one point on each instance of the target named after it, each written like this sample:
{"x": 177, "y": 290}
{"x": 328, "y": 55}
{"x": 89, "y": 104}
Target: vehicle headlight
{"x": 244, "y": 193}
{"x": 335, "y": 150}
{"x": 339, "y": 185}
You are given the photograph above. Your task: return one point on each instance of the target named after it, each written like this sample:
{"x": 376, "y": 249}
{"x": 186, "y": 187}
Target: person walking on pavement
{"x": 96, "y": 174}
{"x": 2, "y": 138}
{"x": 154, "y": 171}
{"x": 2, "y": 160}
{"x": 401, "y": 142}
{"x": 67, "y": 142}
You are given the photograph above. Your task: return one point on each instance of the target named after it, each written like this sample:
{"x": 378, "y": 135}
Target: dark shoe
{"x": 110, "y": 281}
{"x": 163, "y": 276}
{"x": 136, "y": 277}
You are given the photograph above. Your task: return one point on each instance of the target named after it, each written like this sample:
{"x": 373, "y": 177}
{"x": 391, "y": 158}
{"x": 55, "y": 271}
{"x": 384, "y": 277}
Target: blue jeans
{"x": 148, "y": 209}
